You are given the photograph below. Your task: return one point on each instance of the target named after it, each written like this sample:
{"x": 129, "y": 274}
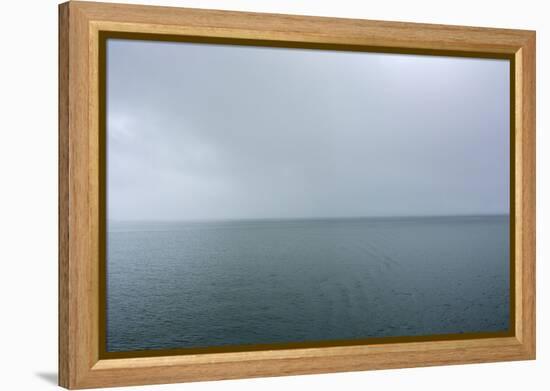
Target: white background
{"x": 28, "y": 196}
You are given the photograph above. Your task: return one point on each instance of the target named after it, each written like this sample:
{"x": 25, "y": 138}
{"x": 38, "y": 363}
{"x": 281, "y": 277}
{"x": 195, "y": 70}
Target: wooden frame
{"x": 80, "y": 26}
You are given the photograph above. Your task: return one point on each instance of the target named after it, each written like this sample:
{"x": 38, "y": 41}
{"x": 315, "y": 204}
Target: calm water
{"x": 174, "y": 285}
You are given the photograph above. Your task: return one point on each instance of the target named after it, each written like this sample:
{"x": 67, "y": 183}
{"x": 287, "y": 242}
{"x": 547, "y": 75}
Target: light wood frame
{"x": 80, "y": 24}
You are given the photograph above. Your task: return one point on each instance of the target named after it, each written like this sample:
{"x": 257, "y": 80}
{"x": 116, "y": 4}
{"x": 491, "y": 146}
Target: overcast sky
{"x": 200, "y": 131}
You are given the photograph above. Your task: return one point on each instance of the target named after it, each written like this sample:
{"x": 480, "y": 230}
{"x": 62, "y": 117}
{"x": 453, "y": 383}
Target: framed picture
{"x": 247, "y": 195}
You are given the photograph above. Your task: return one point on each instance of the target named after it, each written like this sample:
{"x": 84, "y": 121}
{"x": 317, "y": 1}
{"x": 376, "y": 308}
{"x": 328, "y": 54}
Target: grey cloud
{"x": 213, "y": 132}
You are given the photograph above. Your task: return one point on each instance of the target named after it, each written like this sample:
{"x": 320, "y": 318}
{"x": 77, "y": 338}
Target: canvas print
{"x": 263, "y": 196}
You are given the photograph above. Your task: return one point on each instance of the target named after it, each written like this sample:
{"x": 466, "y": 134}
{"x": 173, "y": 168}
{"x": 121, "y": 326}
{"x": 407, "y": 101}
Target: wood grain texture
{"x": 76, "y": 278}
{"x": 170, "y": 20}
{"x": 63, "y": 177}
{"x": 79, "y": 167}
{"x": 527, "y": 187}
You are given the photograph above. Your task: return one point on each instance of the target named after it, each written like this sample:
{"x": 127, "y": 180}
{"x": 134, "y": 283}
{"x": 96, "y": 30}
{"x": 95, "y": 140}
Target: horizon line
{"x": 301, "y": 218}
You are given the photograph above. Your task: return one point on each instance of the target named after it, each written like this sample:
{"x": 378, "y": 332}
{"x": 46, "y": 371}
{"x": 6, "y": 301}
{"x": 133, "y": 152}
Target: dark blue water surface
{"x": 204, "y": 284}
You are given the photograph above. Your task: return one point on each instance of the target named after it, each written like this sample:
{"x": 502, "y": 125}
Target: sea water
{"x": 204, "y": 284}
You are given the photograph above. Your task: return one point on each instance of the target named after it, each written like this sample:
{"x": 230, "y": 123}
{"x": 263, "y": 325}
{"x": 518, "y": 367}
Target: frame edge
{"x": 528, "y": 189}
{"x": 64, "y": 378}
